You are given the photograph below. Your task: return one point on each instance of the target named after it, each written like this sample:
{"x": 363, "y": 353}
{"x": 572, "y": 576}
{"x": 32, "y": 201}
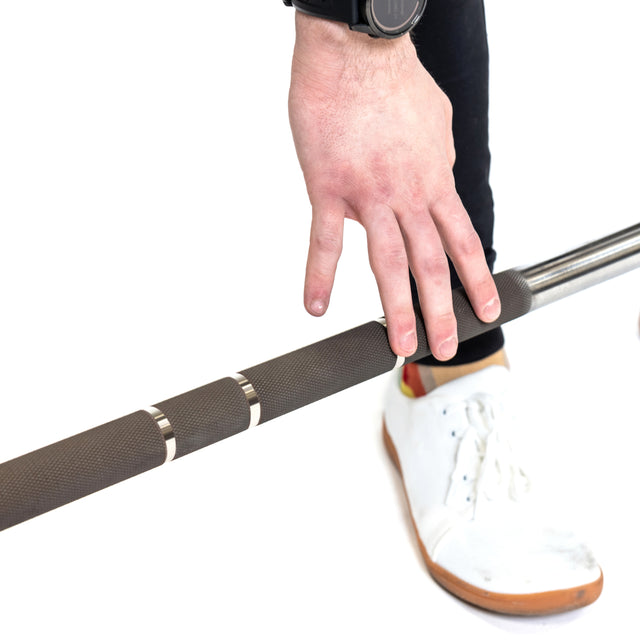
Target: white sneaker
{"x": 469, "y": 502}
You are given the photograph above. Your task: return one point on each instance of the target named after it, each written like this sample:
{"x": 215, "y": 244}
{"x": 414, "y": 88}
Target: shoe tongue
{"x": 492, "y": 380}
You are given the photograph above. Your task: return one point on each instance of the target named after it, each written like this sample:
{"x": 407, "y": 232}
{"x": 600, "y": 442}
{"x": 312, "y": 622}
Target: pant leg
{"x": 451, "y": 41}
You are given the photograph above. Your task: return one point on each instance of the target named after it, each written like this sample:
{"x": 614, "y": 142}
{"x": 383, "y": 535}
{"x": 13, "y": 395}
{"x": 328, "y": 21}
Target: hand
{"x": 373, "y": 136}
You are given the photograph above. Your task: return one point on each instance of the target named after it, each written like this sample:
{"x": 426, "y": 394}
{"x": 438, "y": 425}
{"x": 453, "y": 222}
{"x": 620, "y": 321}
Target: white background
{"x": 153, "y": 228}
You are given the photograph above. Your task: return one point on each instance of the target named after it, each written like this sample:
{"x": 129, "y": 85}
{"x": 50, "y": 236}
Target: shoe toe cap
{"x": 516, "y": 559}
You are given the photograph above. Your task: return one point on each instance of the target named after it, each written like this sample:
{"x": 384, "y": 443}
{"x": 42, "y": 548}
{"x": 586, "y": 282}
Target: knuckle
{"x": 468, "y": 244}
{"x": 412, "y": 202}
{"x": 387, "y": 254}
{"x": 451, "y": 154}
{"x": 433, "y": 268}
{"x": 445, "y": 320}
{"x": 395, "y": 259}
{"x": 486, "y": 288}
{"x": 442, "y": 192}
{"x": 401, "y": 318}
{"x": 326, "y": 242}
{"x": 416, "y": 200}
{"x": 332, "y": 182}
{"x": 442, "y": 326}
{"x": 380, "y": 191}
{"x": 381, "y": 224}
{"x": 443, "y": 196}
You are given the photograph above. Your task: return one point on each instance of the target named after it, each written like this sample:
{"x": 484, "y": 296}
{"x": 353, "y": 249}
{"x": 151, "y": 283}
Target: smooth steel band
{"x": 583, "y": 267}
{"x": 252, "y": 399}
{"x": 399, "y": 359}
{"x": 166, "y": 430}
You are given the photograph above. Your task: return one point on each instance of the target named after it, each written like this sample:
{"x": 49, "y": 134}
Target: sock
{"x": 418, "y": 379}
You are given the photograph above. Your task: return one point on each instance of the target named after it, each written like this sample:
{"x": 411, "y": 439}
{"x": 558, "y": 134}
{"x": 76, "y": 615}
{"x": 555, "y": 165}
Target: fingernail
{"x": 409, "y": 342}
{"x": 317, "y": 307}
{"x": 448, "y": 348}
{"x": 492, "y": 311}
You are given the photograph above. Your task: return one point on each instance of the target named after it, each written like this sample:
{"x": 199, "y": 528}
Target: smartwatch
{"x": 378, "y": 18}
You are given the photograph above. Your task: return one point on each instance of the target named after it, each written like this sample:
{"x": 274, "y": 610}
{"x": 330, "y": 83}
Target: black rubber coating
{"x": 321, "y": 369}
{"x": 207, "y": 414}
{"x": 73, "y": 468}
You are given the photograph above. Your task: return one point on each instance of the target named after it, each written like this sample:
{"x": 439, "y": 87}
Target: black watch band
{"x": 378, "y": 18}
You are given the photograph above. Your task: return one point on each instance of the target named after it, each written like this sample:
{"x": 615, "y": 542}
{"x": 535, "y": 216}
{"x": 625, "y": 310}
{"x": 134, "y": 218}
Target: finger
{"x": 462, "y": 244}
{"x": 325, "y": 247}
{"x": 388, "y": 260}
{"x": 430, "y": 269}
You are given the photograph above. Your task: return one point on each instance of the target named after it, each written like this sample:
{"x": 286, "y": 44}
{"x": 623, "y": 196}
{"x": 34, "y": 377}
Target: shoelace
{"x": 486, "y": 468}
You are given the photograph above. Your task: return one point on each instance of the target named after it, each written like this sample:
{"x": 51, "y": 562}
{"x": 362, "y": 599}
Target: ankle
{"x": 418, "y": 380}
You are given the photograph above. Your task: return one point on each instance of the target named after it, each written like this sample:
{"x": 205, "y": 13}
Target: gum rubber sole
{"x": 528, "y": 604}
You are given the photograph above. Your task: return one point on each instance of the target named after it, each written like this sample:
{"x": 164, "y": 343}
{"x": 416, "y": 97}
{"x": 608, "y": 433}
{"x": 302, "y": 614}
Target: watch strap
{"x": 340, "y": 10}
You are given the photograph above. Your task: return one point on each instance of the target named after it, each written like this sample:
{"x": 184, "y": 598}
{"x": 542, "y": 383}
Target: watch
{"x": 378, "y": 18}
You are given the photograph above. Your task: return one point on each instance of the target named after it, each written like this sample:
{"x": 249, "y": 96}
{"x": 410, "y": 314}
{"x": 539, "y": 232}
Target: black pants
{"x": 451, "y": 41}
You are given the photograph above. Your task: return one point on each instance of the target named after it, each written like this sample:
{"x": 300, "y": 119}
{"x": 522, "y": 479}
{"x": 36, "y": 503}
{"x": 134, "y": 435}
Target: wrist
{"x": 330, "y": 46}
{"x": 337, "y": 35}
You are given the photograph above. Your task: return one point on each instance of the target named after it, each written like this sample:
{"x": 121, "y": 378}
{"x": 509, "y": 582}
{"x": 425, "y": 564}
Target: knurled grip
{"x": 77, "y": 466}
{"x": 207, "y": 414}
{"x": 37, "y": 482}
{"x": 319, "y": 370}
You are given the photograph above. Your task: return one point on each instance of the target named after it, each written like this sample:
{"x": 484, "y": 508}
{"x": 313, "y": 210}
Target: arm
{"x": 373, "y": 136}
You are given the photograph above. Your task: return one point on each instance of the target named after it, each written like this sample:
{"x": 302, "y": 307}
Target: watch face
{"x": 394, "y": 16}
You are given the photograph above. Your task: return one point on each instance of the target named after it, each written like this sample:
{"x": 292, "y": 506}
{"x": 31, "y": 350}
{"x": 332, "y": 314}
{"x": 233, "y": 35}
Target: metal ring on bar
{"x": 252, "y": 399}
{"x": 166, "y": 430}
{"x": 399, "y": 359}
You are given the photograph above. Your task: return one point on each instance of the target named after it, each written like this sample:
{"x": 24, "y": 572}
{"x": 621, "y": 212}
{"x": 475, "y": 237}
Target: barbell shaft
{"x": 62, "y": 472}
